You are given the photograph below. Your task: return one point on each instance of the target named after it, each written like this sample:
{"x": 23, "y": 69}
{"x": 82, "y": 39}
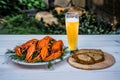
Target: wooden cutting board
{"x": 109, "y": 61}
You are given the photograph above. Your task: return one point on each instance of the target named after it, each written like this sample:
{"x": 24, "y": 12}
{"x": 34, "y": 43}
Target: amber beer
{"x": 72, "y": 26}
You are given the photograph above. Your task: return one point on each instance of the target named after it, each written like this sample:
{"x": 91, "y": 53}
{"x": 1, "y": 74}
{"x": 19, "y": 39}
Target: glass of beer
{"x": 72, "y": 26}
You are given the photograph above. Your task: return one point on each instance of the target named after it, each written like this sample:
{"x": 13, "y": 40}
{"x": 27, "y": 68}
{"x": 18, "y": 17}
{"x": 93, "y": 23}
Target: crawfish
{"x": 27, "y": 44}
{"x": 45, "y": 41}
{"x": 54, "y": 56}
{"x": 57, "y": 50}
{"x": 36, "y": 58}
{"x": 44, "y": 52}
{"x": 57, "y": 46}
{"x": 18, "y": 51}
{"x": 30, "y": 51}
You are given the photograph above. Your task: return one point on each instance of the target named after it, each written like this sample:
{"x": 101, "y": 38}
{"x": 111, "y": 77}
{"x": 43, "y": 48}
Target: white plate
{"x": 40, "y": 63}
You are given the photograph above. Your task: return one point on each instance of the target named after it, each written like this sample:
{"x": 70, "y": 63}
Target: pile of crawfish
{"x": 45, "y": 49}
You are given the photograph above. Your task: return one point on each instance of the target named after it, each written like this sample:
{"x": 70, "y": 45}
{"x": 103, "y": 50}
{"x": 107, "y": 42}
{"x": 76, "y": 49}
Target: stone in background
{"x": 79, "y": 3}
{"x": 98, "y": 2}
{"x": 64, "y": 3}
{"x": 61, "y": 3}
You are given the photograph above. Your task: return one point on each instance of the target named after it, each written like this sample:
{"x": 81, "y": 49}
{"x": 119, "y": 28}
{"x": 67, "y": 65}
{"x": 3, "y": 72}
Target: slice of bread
{"x": 89, "y": 56}
{"x": 96, "y": 57}
{"x": 84, "y": 59}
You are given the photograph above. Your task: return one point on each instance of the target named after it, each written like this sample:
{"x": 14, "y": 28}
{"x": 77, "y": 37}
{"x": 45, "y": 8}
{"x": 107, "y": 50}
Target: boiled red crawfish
{"x": 45, "y": 49}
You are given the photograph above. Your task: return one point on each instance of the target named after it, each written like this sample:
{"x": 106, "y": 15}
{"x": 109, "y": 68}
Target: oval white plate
{"x": 67, "y": 54}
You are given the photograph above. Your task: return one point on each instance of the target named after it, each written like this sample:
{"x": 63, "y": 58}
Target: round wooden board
{"x": 109, "y": 61}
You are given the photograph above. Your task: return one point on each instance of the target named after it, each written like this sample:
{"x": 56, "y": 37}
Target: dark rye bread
{"x": 89, "y": 56}
{"x": 83, "y": 59}
{"x": 96, "y": 57}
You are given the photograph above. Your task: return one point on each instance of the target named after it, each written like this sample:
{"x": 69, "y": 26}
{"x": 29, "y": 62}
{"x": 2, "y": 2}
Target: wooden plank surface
{"x": 62, "y": 70}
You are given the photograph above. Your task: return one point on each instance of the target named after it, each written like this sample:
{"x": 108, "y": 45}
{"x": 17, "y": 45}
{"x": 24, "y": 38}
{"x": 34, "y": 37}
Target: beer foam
{"x": 72, "y": 20}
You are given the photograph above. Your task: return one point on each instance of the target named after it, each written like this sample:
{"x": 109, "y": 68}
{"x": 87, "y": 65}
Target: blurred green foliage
{"x": 22, "y": 24}
{"x": 8, "y": 7}
{"x": 89, "y": 24}
{"x": 36, "y": 4}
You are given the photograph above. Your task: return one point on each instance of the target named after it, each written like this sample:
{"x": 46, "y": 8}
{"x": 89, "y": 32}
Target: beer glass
{"x": 72, "y": 26}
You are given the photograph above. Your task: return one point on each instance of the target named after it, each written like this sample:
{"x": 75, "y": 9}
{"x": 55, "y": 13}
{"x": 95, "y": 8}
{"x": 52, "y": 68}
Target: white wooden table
{"x": 62, "y": 70}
